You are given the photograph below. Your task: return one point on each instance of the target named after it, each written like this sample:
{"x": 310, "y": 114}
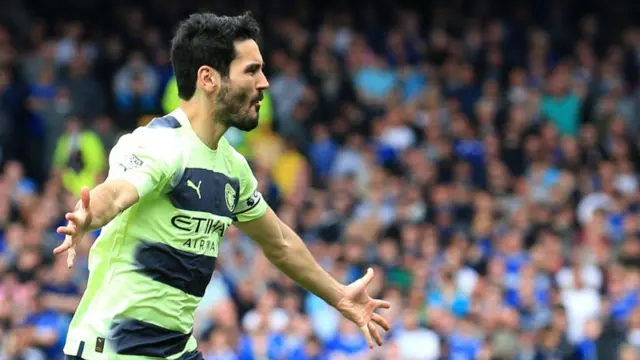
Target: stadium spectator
{"x": 79, "y": 157}
{"x": 136, "y": 87}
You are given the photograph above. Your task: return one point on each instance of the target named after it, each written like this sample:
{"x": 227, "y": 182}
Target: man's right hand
{"x": 79, "y": 224}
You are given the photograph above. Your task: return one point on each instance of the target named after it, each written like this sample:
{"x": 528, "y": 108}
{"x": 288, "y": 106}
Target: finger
{"x": 378, "y": 319}
{"x": 66, "y": 245}
{"x": 75, "y": 219}
{"x": 366, "y": 279}
{"x": 382, "y": 304}
{"x": 374, "y": 332}
{"x": 71, "y": 217}
{"x": 71, "y": 257}
{"x": 367, "y": 335}
{"x": 66, "y": 230}
{"x": 84, "y": 196}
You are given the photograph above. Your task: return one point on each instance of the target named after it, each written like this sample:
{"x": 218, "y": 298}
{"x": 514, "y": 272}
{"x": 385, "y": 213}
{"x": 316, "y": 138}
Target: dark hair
{"x": 207, "y": 39}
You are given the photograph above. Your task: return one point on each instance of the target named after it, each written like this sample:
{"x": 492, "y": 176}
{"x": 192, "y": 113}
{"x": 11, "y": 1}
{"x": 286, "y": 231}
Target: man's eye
{"x": 253, "y": 69}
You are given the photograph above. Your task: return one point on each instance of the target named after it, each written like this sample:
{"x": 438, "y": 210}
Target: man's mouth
{"x": 256, "y": 106}
{"x": 258, "y": 100}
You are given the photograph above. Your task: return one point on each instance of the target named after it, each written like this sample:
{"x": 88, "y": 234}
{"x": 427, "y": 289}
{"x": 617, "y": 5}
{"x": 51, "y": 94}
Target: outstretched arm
{"x": 286, "y": 251}
{"x": 107, "y": 200}
{"x": 138, "y": 165}
{"x": 95, "y": 209}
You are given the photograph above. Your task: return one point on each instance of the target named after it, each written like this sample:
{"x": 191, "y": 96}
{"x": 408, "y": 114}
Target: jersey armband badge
{"x": 248, "y": 204}
{"x": 253, "y": 200}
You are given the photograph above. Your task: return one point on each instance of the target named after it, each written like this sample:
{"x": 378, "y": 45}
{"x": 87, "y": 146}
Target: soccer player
{"x": 173, "y": 188}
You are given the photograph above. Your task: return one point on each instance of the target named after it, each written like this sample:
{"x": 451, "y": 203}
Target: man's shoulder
{"x": 167, "y": 122}
{"x": 166, "y": 126}
{"x": 161, "y": 132}
{"x": 159, "y": 142}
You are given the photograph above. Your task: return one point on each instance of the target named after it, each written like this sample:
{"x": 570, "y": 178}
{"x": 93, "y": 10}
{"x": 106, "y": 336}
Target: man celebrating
{"x": 173, "y": 189}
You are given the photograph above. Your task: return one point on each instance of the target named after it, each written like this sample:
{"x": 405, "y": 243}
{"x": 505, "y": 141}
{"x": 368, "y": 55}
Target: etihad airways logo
{"x": 199, "y": 225}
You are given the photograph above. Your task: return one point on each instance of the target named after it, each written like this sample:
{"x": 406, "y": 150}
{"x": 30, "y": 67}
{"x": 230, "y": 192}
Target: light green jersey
{"x": 150, "y": 266}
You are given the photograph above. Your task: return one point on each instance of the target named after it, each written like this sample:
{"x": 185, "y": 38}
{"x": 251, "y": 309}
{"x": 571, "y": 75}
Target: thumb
{"x": 85, "y": 198}
{"x": 366, "y": 279}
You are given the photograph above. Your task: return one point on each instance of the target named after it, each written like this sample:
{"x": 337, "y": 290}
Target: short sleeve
{"x": 146, "y": 161}
{"x": 251, "y": 204}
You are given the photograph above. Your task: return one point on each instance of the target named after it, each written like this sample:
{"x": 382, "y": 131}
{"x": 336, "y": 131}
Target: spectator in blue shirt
{"x": 464, "y": 343}
{"x": 49, "y": 328}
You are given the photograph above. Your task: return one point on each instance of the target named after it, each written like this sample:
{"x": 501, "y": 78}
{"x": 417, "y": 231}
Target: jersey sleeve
{"x": 145, "y": 160}
{"x": 251, "y": 204}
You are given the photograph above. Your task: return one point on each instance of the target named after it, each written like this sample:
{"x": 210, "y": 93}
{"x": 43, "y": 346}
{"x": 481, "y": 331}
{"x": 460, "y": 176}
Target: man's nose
{"x": 262, "y": 83}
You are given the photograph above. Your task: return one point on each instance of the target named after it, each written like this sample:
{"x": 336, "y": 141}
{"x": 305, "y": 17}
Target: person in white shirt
{"x": 416, "y": 342}
{"x": 581, "y": 303}
{"x": 590, "y": 274}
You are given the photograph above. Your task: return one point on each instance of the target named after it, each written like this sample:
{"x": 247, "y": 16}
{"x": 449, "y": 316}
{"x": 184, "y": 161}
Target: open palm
{"x": 359, "y": 307}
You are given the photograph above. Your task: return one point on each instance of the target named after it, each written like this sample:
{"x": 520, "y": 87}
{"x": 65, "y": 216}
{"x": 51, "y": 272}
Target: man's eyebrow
{"x": 255, "y": 66}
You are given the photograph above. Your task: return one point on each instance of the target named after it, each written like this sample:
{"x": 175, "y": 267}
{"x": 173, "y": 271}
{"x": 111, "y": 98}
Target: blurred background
{"x": 481, "y": 155}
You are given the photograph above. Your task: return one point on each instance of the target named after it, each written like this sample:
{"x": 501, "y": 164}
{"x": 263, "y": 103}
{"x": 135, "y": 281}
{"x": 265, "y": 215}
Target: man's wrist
{"x": 338, "y": 295}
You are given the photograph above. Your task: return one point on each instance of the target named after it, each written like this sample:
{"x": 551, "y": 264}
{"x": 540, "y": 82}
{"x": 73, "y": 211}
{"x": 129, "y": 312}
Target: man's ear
{"x": 208, "y": 79}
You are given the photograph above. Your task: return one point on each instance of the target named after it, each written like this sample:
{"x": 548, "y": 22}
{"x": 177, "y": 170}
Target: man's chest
{"x": 206, "y": 190}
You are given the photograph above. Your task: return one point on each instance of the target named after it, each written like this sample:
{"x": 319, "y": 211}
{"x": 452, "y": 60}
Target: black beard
{"x": 232, "y": 110}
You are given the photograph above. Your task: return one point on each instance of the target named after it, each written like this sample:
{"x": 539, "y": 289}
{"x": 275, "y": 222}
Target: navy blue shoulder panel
{"x": 168, "y": 122}
{"x": 206, "y": 191}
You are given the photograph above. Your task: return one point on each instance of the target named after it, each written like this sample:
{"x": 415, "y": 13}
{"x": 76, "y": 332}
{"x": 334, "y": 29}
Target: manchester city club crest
{"x": 230, "y": 197}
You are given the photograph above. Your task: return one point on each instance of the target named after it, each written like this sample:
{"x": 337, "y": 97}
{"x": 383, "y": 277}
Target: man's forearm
{"x": 295, "y": 260}
{"x": 107, "y": 200}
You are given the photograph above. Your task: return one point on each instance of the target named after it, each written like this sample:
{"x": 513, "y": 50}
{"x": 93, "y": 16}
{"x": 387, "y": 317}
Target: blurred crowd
{"x": 482, "y": 156}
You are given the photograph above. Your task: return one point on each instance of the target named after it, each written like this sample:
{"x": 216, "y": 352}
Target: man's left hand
{"x": 359, "y": 307}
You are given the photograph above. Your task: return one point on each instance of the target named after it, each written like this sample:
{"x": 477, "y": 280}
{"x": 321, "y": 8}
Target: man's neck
{"x": 200, "y": 115}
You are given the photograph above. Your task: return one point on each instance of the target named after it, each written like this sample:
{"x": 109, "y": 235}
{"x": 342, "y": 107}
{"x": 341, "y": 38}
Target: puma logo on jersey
{"x": 194, "y": 187}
